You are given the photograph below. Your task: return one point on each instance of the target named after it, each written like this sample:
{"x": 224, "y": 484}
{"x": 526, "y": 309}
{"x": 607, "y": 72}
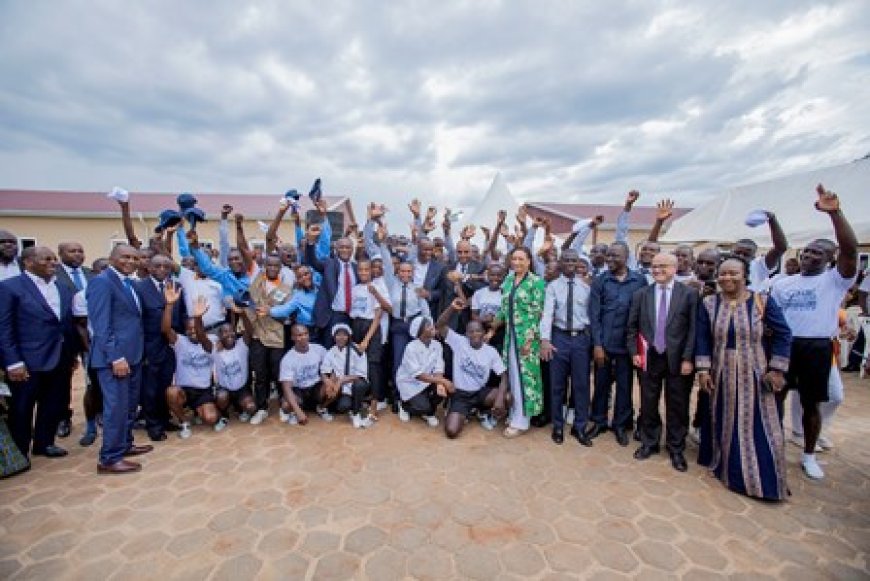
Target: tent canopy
{"x": 791, "y": 198}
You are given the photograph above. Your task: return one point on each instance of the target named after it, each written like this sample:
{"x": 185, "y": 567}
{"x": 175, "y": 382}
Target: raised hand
{"x": 458, "y": 304}
{"x": 486, "y": 232}
{"x": 200, "y": 307}
{"x": 431, "y": 212}
{"x": 522, "y": 214}
{"x": 468, "y": 232}
{"x": 239, "y": 218}
{"x": 192, "y": 238}
{"x": 226, "y": 210}
{"x": 828, "y": 201}
{"x": 502, "y": 216}
{"x": 597, "y": 220}
{"x": 381, "y": 233}
{"x": 428, "y": 226}
{"x": 171, "y": 293}
{"x": 631, "y": 198}
{"x": 664, "y": 209}
{"x": 321, "y": 207}
{"x": 415, "y": 206}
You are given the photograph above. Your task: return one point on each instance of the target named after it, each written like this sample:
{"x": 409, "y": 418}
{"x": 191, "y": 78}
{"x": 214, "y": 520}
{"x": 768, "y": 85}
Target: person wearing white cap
{"x": 345, "y": 368}
{"x": 420, "y": 377}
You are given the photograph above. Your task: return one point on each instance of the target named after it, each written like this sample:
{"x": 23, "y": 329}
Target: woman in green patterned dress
{"x": 521, "y": 308}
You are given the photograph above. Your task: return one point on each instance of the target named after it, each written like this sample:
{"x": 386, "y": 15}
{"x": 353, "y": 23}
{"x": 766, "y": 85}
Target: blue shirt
{"x": 609, "y": 305}
{"x": 301, "y": 304}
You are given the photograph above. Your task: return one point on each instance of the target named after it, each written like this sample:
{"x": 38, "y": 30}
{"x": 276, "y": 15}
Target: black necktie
{"x": 161, "y": 285}
{"x": 570, "y": 304}
{"x": 347, "y": 361}
{"x": 403, "y": 306}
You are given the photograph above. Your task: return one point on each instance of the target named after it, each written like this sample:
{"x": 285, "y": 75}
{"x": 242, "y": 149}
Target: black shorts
{"x": 195, "y": 397}
{"x": 810, "y": 368}
{"x": 236, "y": 396}
{"x": 462, "y": 402}
{"x": 309, "y": 397}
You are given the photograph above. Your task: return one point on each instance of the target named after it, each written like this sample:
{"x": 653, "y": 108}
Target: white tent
{"x": 791, "y": 198}
{"x": 497, "y": 198}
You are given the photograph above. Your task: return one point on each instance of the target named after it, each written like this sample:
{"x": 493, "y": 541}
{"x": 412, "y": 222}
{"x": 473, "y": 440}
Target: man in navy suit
{"x": 116, "y": 353}
{"x": 429, "y": 274}
{"x": 332, "y": 304}
{"x": 72, "y": 274}
{"x": 159, "y": 364}
{"x": 37, "y": 348}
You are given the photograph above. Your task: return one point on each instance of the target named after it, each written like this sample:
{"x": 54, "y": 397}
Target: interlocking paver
{"x": 326, "y": 501}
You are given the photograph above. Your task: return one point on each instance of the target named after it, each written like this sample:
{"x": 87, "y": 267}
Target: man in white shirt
{"x": 302, "y": 384}
{"x": 473, "y": 363}
{"x": 810, "y": 303}
{"x": 420, "y": 377}
{"x": 9, "y": 265}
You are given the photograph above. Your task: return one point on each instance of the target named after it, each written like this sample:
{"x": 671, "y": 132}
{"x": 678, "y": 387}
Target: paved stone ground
{"x": 400, "y": 501}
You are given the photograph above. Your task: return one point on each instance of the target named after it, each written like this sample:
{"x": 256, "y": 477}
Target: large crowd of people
{"x": 176, "y": 338}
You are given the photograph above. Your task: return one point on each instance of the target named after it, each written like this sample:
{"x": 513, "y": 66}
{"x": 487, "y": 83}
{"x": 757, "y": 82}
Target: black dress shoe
{"x": 51, "y": 451}
{"x": 621, "y": 436}
{"x": 88, "y": 439}
{"x": 539, "y": 421}
{"x": 645, "y": 452}
{"x": 679, "y": 461}
{"x": 557, "y": 436}
{"x": 63, "y": 429}
{"x": 636, "y": 435}
{"x": 157, "y": 436}
{"x": 583, "y": 439}
{"x": 574, "y": 432}
{"x": 595, "y": 430}
{"x": 171, "y": 427}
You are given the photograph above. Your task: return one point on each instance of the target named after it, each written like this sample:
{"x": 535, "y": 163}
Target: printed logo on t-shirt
{"x": 232, "y": 369}
{"x": 473, "y": 369}
{"x": 800, "y": 300}
{"x": 194, "y": 360}
{"x": 489, "y": 309}
{"x": 360, "y": 303}
{"x": 307, "y": 375}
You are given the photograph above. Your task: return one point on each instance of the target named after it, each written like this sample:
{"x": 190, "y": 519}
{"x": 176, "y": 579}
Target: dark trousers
{"x": 266, "y": 365}
{"x": 677, "y": 390}
{"x": 424, "y": 403}
{"x": 373, "y": 356}
{"x": 571, "y": 359}
{"x": 43, "y": 391}
{"x": 618, "y": 368}
{"x": 353, "y": 403}
{"x": 93, "y": 398}
{"x": 120, "y": 400}
{"x": 66, "y": 411}
{"x": 156, "y": 378}
{"x": 399, "y": 337}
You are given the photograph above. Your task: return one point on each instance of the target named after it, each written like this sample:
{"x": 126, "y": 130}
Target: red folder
{"x": 642, "y": 347}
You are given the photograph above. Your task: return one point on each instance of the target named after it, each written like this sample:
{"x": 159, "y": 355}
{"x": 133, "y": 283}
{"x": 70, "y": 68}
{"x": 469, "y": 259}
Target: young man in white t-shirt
{"x": 345, "y": 367}
{"x": 473, "y": 363}
{"x": 231, "y": 370}
{"x": 420, "y": 378}
{"x": 370, "y": 301}
{"x": 302, "y": 386}
{"x": 810, "y": 302}
{"x": 486, "y": 302}
{"x": 193, "y": 364}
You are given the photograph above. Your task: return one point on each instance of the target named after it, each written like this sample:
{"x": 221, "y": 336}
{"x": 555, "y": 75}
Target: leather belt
{"x": 575, "y": 333}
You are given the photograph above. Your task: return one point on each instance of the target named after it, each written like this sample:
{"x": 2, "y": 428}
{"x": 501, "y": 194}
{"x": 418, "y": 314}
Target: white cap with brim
{"x": 341, "y": 327}
{"x": 417, "y": 324}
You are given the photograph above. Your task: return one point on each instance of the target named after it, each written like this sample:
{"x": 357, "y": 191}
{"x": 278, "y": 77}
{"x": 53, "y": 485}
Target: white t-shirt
{"x": 471, "y": 367}
{"x": 811, "y": 304}
{"x": 758, "y": 274}
{"x": 303, "y": 369}
{"x": 363, "y": 303}
{"x": 192, "y": 363}
{"x": 418, "y": 359}
{"x": 488, "y": 302}
{"x": 231, "y": 366}
{"x": 336, "y": 359}
{"x": 865, "y": 287}
{"x": 288, "y": 277}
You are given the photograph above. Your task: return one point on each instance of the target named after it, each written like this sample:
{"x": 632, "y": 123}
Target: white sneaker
{"x": 184, "y": 433}
{"x": 403, "y": 415}
{"x": 259, "y": 417}
{"x": 432, "y": 421}
{"x": 360, "y": 422}
{"x": 811, "y": 467}
{"x": 382, "y": 405}
{"x": 244, "y": 417}
{"x": 292, "y": 420}
{"x": 221, "y": 424}
{"x": 282, "y": 415}
{"x": 488, "y": 423}
{"x": 325, "y": 415}
{"x": 798, "y": 440}
{"x": 197, "y": 421}
{"x": 824, "y": 443}
{"x": 695, "y": 436}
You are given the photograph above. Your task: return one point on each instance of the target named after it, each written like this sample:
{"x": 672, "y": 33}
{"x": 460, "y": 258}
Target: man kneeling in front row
{"x": 473, "y": 362}
{"x": 302, "y": 385}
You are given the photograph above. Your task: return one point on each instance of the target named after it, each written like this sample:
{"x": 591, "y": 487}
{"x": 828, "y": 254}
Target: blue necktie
{"x": 77, "y": 279}
{"x": 129, "y": 284}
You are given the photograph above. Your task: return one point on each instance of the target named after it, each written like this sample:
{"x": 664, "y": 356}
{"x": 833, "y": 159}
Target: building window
{"x": 25, "y": 242}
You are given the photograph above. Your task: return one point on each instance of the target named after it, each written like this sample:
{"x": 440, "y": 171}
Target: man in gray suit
{"x": 661, "y": 341}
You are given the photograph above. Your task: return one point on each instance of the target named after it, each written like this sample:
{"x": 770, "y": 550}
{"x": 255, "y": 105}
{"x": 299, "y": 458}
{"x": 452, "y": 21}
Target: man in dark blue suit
{"x": 116, "y": 353}
{"x": 159, "y": 364}
{"x": 332, "y": 304}
{"x": 37, "y": 348}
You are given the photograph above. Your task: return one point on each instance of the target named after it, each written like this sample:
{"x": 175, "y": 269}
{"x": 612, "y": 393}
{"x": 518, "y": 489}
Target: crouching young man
{"x": 473, "y": 362}
{"x": 231, "y": 370}
{"x": 193, "y": 366}
{"x": 420, "y": 378}
{"x": 345, "y": 369}
{"x": 302, "y": 386}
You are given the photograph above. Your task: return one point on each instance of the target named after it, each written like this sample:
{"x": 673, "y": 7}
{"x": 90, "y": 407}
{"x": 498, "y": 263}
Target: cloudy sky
{"x": 572, "y": 101}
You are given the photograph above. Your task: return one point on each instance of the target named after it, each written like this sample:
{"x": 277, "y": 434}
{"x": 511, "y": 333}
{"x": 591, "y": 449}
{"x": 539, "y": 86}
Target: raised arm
{"x": 780, "y": 243}
{"x": 623, "y": 220}
{"x": 493, "y": 239}
{"x": 847, "y": 259}
{"x": 272, "y": 232}
{"x": 224, "y": 236}
{"x": 323, "y": 249}
{"x": 581, "y": 233}
{"x": 127, "y": 222}
{"x": 448, "y": 238}
{"x": 199, "y": 309}
{"x": 171, "y": 293}
{"x": 242, "y": 243}
{"x": 664, "y": 210}
{"x": 443, "y": 322}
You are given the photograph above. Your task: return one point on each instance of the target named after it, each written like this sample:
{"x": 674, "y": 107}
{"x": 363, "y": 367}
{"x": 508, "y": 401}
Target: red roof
{"x": 150, "y": 204}
{"x": 640, "y": 215}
